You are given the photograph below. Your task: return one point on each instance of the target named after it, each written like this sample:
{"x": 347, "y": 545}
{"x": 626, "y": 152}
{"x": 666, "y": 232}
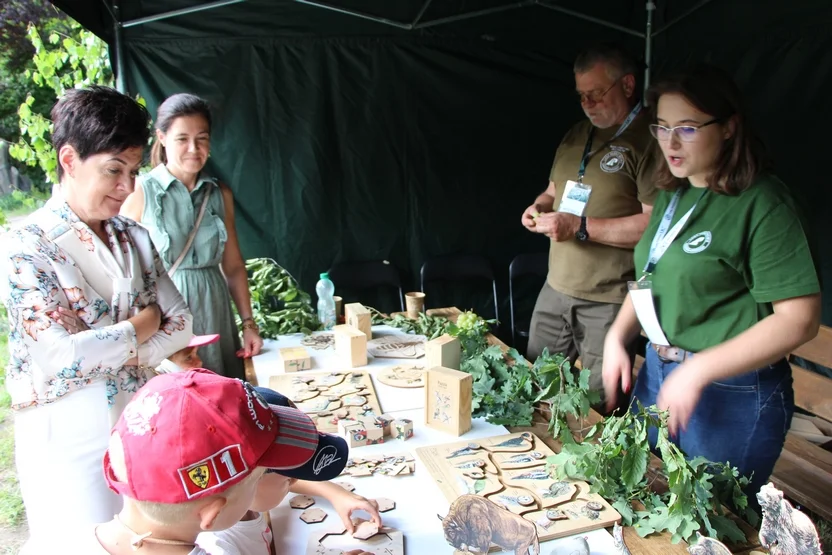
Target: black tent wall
{"x": 347, "y": 139}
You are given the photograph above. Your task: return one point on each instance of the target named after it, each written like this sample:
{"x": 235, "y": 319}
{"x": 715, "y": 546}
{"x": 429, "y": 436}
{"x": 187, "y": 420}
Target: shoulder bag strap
{"x": 193, "y": 233}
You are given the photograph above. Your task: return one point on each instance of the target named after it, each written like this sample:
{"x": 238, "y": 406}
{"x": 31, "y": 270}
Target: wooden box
{"x": 295, "y": 358}
{"x": 444, "y": 351}
{"x": 350, "y": 345}
{"x": 403, "y": 429}
{"x": 359, "y": 317}
{"x": 448, "y": 394}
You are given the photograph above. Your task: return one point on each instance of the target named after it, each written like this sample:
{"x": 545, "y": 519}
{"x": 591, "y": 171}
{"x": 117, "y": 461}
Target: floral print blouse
{"x": 54, "y": 259}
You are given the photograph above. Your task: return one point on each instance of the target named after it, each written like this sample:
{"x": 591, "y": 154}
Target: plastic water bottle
{"x": 326, "y": 302}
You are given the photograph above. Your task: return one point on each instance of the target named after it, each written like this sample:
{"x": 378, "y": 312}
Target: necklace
{"x": 139, "y": 539}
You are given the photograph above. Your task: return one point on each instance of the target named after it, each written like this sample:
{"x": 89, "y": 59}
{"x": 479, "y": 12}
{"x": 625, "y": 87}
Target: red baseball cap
{"x": 202, "y": 340}
{"x": 195, "y": 433}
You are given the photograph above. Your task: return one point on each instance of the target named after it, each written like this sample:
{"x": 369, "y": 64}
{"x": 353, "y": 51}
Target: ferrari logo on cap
{"x": 200, "y": 476}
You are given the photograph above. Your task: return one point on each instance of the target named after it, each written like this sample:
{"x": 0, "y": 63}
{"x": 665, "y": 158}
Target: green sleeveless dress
{"x": 169, "y": 214}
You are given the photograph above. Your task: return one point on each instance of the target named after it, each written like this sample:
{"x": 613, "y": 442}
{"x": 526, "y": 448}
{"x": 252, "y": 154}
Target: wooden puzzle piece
{"x": 354, "y": 401}
{"x": 365, "y": 530}
{"x": 385, "y": 505}
{"x": 509, "y": 444}
{"x": 386, "y": 541}
{"x": 397, "y": 346}
{"x": 406, "y": 376}
{"x": 313, "y": 516}
{"x": 316, "y": 405}
{"x": 508, "y": 461}
{"x": 516, "y": 500}
{"x": 301, "y": 502}
{"x": 477, "y": 486}
{"x": 301, "y": 396}
{"x": 391, "y": 465}
{"x": 319, "y": 341}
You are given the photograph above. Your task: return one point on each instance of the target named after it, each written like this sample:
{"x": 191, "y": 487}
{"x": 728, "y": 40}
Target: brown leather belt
{"x": 672, "y": 354}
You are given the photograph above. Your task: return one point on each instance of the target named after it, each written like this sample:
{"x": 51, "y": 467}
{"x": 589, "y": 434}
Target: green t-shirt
{"x": 734, "y": 257}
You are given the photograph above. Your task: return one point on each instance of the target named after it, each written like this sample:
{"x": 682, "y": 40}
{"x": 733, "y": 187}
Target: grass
{"x": 11, "y": 504}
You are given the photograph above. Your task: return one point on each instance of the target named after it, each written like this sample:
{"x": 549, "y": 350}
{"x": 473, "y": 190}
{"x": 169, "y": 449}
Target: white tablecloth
{"x": 418, "y": 499}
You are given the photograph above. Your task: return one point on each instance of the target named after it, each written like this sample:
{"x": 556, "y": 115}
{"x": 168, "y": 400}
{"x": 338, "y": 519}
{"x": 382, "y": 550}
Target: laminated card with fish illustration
{"x": 328, "y": 397}
{"x": 511, "y": 471}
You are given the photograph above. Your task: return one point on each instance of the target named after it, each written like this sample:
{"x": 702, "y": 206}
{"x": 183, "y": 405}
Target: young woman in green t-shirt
{"x": 731, "y": 279}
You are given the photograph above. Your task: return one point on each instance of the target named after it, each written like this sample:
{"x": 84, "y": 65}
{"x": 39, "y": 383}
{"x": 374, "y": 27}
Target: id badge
{"x": 641, "y": 294}
{"x": 575, "y": 197}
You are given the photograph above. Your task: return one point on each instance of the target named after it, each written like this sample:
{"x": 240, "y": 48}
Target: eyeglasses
{"x": 686, "y": 133}
{"x": 595, "y": 96}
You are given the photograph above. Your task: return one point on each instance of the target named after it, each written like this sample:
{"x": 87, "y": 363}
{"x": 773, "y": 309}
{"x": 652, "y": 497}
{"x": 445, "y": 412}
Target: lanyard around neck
{"x": 587, "y": 154}
{"x": 664, "y": 237}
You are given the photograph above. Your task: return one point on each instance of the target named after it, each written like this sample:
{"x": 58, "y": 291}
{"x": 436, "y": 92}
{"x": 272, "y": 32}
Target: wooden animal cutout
{"x": 474, "y": 523}
{"x": 785, "y": 530}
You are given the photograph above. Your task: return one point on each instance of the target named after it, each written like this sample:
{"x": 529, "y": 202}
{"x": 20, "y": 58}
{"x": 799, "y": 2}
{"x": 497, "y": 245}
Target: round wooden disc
{"x": 409, "y": 377}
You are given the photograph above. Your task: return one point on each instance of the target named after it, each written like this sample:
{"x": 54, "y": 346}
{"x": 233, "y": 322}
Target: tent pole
{"x": 470, "y": 15}
{"x": 648, "y": 48}
{"x": 354, "y": 13}
{"x": 421, "y": 12}
{"x": 121, "y": 85}
{"x": 183, "y": 11}
{"x": 590, "y": 18}
{"x": 681, "y": 17}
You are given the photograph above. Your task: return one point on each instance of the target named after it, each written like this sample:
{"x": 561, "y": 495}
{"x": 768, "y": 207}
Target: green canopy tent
{"x": 360, "y": 129}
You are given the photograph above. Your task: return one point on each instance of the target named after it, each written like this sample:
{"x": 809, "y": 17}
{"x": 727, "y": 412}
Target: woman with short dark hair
{"x": 728, "y": 285}
{"x": 91, "y": 310}
{"x": 190, "y": 216}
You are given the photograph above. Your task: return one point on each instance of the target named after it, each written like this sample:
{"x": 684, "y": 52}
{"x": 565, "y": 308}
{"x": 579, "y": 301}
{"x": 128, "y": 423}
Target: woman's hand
{"x": 617, "y": 369}
{"x": 345, "y": 502}
{"x": 680, "y": 394}
{"x": 69, "y": 320}
{"x": 252, "y": 343}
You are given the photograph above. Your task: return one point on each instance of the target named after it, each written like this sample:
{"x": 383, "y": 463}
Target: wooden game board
{"x": 403, "y": 375}
{"x": 329, "y": 396}
{"x": 511, "y": 471}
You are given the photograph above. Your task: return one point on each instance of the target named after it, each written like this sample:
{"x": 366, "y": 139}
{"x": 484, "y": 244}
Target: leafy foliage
{"x": 15, "y": 18}
{"x": 279, "y": 306}
{"x": 64, "y": 61}
{"x": 614, "y": 457}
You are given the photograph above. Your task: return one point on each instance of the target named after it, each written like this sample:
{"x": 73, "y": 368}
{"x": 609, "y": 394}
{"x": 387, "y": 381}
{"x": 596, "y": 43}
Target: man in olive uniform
{"x": 594, "y": 210}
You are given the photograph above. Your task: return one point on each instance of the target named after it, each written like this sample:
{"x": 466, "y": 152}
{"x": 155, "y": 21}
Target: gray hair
{"x": 618, "y": 61}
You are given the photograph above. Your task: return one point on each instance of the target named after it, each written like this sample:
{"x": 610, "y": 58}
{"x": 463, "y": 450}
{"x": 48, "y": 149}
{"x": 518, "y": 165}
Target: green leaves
{"x": 614, "y": 460}
{"x": 78, "y": 60}
{"x": 279, "y": 307}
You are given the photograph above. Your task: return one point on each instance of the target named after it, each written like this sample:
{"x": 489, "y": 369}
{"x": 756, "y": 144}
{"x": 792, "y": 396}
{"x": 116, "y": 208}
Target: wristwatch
{"x": 582, "y": 234}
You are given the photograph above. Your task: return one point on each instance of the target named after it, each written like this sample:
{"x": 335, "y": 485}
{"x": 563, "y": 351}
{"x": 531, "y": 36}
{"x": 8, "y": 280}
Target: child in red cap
{"x": 252, "y": 536}
{"x": 187, "y": 454}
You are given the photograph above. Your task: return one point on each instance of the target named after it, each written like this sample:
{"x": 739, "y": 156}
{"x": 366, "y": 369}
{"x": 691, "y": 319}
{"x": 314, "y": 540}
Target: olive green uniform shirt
{"x": 620, "y": 175}
{"x": 734, "y": 257}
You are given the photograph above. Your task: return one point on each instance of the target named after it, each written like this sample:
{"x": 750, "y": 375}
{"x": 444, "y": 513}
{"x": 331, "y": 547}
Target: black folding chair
{"x": 523, "y": 266}
{"x": 460, "y": 268}
{"x": 362, "y": 276}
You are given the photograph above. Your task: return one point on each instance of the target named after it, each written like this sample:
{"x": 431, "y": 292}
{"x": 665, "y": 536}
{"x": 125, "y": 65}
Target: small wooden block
{"x": 365, "y": 530}
{"x": 403, "y": 428}
{"x": 311, "y": 516}
{"x": 448, "y": 394}
{"x": 351, "y": 346}
{"x": 346, "y": 485}
{"x": 375, "y": 435}
{"x": 353, "y": 432}
{"x": 295, "y": 358}
{"x": 385, "y": 504}
{"x": 301, "y": 502}
{"x": 443, "y": 351}
{"x": 387, "y": 423}
{"x": 358, "y": 316}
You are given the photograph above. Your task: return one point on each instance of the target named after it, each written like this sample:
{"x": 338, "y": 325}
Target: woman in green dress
{"x": 207, "y": 268}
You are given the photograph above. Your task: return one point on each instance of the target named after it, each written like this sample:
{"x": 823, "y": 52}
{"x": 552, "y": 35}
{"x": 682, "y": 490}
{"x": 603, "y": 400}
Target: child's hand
{"x": 345, "y": 502}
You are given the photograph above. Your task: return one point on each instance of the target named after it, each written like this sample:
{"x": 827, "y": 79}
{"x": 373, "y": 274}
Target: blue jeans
{"x": 741, "y": 420}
